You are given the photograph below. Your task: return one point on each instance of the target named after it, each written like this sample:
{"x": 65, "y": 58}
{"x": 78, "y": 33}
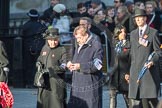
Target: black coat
{"x": 48, "y": 15}
{"x": 120, "y": 68}
{"x": 32, "y": 35}
{"x": 156, "y": 22}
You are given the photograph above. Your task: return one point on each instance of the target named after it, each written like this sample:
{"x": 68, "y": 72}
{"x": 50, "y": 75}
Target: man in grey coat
{"x": 86, "y": 65}
{"x": 144, "y": 40}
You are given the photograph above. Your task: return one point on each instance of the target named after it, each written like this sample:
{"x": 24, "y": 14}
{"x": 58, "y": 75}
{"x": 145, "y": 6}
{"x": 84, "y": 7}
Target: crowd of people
{"x": 134, "y": 49}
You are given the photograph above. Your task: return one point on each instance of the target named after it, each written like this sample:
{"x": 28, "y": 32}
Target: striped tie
{"x": 140, "y": 35}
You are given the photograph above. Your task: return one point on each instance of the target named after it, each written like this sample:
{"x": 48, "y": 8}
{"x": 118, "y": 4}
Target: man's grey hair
{"x": 89, "y": 20}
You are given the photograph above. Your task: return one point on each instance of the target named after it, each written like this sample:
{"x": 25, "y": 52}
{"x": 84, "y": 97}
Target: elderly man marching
{"x": 144, "y": 40}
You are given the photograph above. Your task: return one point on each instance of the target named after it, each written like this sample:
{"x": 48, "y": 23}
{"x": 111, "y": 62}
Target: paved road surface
{"x": 26, "y": 98}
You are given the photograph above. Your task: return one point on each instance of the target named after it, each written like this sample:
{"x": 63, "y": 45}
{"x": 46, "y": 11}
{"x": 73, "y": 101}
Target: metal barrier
{"x": 107, "y": 53}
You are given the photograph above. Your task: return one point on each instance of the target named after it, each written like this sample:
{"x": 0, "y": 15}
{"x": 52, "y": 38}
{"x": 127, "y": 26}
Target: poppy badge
{"x": 125, "y": 49}
{"x": 145, "y": 36}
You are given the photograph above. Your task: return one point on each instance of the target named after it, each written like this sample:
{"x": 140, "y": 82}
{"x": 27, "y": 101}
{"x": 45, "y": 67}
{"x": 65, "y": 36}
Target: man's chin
{"x": 52, "y": 46}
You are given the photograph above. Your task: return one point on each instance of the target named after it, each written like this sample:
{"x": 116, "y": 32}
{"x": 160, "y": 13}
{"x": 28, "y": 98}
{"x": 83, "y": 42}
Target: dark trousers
{"x": 29, "y": 65}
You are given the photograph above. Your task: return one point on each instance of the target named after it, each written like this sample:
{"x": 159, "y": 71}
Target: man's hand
{"x": 69, "y": 65}
{"x": 73, "y": 66}
{"x": 127, "y": 77}
{"x": 149, "y": 64}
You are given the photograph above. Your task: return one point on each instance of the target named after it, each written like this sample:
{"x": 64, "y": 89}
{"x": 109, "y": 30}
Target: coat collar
{"x": 145, "y": 35}
{"x": 146, "y": 32}
{"x": 88, "y": 42}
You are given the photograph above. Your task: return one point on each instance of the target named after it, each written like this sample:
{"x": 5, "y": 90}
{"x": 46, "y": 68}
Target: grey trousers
{"x": 113, "y": 98}
{"x": 144, "y": 103}
{"x": 134, "y": 103}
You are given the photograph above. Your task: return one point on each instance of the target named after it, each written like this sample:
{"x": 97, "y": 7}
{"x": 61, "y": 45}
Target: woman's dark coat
{"x": 53, "y": 96}
{"x": 120, "y": 69}
{"x": 86, "y": 89}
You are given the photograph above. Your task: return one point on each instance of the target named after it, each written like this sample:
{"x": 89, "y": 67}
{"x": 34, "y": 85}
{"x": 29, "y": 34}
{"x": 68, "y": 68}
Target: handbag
{"x": 41, "y": 78}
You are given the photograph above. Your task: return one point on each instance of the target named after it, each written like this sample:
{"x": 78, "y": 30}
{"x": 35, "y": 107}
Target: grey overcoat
{"x": 149, "y": 85}
{"x": 86, "y": 89}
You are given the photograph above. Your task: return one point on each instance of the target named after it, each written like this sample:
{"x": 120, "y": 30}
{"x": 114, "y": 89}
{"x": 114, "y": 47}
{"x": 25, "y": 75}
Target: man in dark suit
{"x": 144, "y": 40}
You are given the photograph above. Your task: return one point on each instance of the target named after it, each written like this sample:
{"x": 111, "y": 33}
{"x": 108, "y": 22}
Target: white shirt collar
{"x": 143, "y": 29}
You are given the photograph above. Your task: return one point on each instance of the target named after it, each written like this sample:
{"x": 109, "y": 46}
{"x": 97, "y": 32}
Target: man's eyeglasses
{"x": 116, "y": 1}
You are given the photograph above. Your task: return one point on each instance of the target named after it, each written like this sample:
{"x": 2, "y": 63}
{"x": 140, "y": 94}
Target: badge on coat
{"x": 53, "y": 55}
{"x": 143, "y": 42}
{"x": 98, "y": 63}
{"x": 44, "y": 53}
{"x": 145, "y": 36}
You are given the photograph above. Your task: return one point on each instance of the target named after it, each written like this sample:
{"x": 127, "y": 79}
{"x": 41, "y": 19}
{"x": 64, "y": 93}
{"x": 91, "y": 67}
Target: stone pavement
{"x": 26, "y": 98}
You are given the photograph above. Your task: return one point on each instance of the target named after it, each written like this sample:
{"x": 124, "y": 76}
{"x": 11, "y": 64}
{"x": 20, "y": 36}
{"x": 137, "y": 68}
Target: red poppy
{"x": 6, "y": 97}
{"x": 145, "y": 36}
{"x": 125, "y": 49}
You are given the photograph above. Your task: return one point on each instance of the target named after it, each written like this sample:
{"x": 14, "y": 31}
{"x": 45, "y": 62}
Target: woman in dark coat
{"x": 86, "y": 67}
{"x": 53, "y": 59}
{"x": 118, "y": 83}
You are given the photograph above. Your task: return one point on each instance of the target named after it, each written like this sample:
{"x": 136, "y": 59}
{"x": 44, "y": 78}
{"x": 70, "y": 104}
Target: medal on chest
{"x": 143, "y": 40}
